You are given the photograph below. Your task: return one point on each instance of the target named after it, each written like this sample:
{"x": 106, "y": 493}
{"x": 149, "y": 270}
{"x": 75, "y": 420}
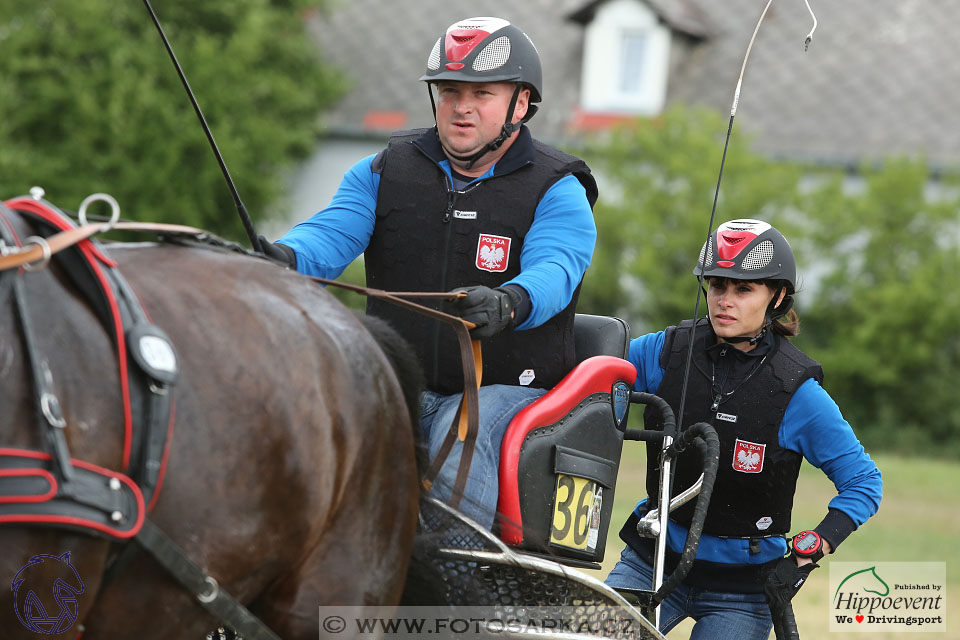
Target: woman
{"x": 763, "y": 397}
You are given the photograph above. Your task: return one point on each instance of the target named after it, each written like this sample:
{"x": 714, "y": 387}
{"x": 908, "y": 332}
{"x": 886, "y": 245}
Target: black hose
{"x": 669, "y": 421}
{"x": 787, "y": 629}
{"x": 710, "y": 450}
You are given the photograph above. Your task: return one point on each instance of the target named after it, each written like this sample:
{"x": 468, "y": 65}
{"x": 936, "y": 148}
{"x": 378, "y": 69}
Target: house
{"x": 879, "y": 77}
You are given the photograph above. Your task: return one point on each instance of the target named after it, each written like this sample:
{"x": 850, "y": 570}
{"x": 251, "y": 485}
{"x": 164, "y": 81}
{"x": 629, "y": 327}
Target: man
{"x": 474, "y": 203}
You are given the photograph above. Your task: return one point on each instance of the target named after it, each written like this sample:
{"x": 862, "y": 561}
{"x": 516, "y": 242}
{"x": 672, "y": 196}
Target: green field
{"x": 917, "y": 521}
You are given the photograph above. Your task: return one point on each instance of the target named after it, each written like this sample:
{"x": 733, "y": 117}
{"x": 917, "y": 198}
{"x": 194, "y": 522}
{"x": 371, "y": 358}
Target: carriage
{"x": 559, "y": 459}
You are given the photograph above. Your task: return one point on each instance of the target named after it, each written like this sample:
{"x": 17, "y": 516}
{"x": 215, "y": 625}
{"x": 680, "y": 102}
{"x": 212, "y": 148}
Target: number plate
{"x": 576, "y": 513}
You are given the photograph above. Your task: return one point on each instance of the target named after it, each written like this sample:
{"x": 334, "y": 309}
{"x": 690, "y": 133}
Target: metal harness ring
{"x": 101, "y": 197}
{"x": 212, "y": 593}
{"x": 44, "y": 247}
{"x": 50, "y": 407}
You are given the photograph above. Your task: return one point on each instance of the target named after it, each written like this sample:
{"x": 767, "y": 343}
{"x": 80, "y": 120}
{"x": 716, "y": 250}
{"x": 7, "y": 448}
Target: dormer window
{"x": 626, "y": 59}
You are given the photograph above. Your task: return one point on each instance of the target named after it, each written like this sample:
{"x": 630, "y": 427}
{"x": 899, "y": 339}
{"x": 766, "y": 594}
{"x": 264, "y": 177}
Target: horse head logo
{"x": 866, "y": 580}
{"x": 47, "y": 576}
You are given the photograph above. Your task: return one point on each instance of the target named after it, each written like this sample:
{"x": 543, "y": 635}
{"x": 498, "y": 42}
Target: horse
{"x": 291, "y": 474}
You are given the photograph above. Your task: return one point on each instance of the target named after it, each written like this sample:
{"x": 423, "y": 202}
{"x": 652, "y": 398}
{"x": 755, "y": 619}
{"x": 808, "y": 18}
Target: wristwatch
{"x": 808, "y": 544}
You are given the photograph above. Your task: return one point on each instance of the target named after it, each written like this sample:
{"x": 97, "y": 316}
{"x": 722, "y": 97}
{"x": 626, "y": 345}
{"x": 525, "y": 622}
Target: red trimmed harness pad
{"x": 594, "y": 375}
{"x": 39, "y": 504}
{"x": 28, "y": 489}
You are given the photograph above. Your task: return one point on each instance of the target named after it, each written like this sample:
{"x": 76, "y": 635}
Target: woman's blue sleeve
{"x": 813, "y": 426}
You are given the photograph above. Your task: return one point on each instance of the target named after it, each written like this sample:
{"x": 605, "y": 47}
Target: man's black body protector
{"x": 426, "y": 238}
{"x": 743, "y": 505}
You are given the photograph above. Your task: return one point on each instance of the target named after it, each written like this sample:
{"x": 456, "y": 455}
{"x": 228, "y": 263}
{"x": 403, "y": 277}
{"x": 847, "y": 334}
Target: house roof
{"x": 878, "y": 79}
{"x": 680, "y": 15}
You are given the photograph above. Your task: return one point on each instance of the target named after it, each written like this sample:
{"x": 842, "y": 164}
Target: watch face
{"x": 806, "y": 542}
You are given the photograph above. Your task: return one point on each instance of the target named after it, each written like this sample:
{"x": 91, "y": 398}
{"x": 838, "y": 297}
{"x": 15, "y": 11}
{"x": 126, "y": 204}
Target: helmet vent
{"x": 759, "y": 257}
{"x": 708, "y": 250}
{"x": 433, "y": 61}
{"x": 493, "y": 56}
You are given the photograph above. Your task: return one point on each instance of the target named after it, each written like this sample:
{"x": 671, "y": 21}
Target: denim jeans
{"x": 744, "y": 616}
{"x": 497, "y": 406}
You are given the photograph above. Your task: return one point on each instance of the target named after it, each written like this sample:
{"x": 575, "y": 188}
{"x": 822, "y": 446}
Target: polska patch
{"x": 748, "y": 456}
{"x": 493, "y": 253}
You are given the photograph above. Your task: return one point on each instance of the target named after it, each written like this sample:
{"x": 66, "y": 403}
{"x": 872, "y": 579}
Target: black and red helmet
{"x": 748, "y": 250}
{"x": 486, "y": 50}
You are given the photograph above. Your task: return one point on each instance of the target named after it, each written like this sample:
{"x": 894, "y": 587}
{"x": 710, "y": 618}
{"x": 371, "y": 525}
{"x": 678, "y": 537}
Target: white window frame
{"x": 601, "y": 88}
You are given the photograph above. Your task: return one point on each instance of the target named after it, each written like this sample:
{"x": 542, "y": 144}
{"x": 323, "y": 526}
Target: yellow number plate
{"x": 576, "y": 513}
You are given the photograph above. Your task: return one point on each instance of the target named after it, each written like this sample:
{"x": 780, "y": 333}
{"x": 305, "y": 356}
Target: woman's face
{"x": 737, "y": 308}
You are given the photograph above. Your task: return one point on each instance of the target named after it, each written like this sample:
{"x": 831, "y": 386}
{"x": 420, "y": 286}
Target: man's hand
{"x": 278, "y": 252}
{"x": 491, "y": 310}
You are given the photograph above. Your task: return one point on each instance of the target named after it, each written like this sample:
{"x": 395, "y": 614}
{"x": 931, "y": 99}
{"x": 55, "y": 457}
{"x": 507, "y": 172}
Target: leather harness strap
{"x": 38, "y": 250}
{"x": 466, "y": 422}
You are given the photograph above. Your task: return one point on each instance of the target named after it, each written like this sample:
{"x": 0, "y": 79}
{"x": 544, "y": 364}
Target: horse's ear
{"x": 65, "y": 557}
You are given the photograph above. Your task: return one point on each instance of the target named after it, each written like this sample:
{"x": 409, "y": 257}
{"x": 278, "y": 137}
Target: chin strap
{"x": 506, "y": 131}
{"x": 772, "y": 314}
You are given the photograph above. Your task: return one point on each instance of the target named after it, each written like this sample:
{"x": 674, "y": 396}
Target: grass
{"x": 917, "y": 521}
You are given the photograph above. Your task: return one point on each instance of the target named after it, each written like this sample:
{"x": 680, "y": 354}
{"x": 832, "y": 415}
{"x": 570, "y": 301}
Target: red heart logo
{"x": 859, "y": 618}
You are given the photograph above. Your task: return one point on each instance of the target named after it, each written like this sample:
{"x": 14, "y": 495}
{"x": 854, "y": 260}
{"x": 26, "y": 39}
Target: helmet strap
{"x": 433, "y": 102}
{"x": 508, "y": 129}
{"x": 773, "y": 312}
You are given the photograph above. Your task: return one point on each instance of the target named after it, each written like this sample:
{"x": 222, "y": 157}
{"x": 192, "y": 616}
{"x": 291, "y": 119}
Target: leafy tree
{"x": 877, "y": 256}
{"x": 657, "y": 181}
{"x": 884, "y": 320}
{"x": 89, "y": 101}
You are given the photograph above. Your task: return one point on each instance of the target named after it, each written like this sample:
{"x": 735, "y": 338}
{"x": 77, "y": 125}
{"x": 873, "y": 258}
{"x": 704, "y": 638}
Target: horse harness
{"x": 50, "y": 488}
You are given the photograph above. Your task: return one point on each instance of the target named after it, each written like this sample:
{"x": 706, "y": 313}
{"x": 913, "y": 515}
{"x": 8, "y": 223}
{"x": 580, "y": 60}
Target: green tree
{"x": 884, "y": 320}
{"x": 657, "y": 180}
{"x": 878, "y": 257}
{"x": 90, "y": 102}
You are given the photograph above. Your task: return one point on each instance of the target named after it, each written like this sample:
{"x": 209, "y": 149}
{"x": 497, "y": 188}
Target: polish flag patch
{"x": 493, "y": 253}
{"x": 748, "y": 456}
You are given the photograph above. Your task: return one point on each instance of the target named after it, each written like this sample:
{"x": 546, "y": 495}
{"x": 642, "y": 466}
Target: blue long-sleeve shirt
{"x": 556, "y": 250}
{"x": 812, "y": 426}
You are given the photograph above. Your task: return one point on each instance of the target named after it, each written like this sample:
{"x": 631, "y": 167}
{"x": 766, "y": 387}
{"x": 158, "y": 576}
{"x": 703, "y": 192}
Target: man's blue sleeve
{"x": 556, "y": 250}
{"x": 813, "y": 426}
{"x": 333, "y": 238}
{"x": 644, "y": 354}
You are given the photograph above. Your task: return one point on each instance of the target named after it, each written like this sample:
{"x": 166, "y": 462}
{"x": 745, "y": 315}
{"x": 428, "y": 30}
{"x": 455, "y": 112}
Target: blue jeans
{"x": 744, "y": 616}
{"x": 498, "y": 405}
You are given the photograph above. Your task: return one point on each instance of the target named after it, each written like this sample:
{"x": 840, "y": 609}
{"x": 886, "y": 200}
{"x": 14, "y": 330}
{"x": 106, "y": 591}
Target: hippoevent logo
{"x": 46, "y": 592}
{"x": 888, "y": 596}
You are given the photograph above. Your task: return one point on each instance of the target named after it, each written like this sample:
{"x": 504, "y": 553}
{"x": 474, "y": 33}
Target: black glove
{"x": 490, "y": 309}
{"x": 278, "y": 252}
{"x": 783, "y": 581}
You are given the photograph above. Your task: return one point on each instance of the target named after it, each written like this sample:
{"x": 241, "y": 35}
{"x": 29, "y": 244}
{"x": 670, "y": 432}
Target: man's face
{"x": 471, "y": 114}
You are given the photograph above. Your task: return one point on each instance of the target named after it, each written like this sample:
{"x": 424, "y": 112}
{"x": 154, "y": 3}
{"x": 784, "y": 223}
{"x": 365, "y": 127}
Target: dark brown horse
{"x": 291, "y": 476}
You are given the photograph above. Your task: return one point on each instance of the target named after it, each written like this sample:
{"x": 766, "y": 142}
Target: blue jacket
{"x": 556, "y": 251}
{"x": 812, "y": 426}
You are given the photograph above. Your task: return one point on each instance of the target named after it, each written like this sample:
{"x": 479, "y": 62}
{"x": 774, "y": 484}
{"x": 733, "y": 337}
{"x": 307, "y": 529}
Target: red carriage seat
{"x": 560, "y": 455}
